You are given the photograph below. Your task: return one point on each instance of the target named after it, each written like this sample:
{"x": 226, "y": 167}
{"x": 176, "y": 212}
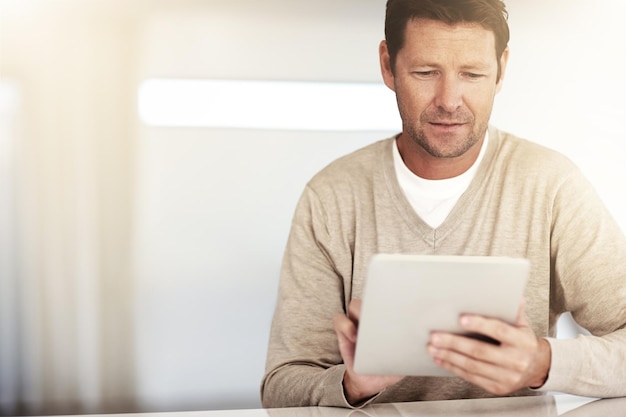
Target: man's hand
{"x": 521, "y": 360}
{"x": 357, "y": 387}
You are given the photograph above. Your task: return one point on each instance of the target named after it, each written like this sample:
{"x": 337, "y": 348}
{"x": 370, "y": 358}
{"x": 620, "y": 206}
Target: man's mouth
{"x": 448, "y": 123}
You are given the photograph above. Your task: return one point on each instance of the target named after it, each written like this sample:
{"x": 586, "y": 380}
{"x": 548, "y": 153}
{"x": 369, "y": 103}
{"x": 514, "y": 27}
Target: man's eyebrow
{"x": 476, "y": 65}
{"x": 470, "y": 65}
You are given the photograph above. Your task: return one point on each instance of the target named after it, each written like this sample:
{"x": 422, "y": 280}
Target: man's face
{"x": 445, "y": 80}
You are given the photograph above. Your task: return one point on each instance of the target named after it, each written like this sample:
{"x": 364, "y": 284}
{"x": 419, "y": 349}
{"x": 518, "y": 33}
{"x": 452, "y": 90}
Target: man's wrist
{"x": 353, "y": 394}
{"x": 544, "y": 360}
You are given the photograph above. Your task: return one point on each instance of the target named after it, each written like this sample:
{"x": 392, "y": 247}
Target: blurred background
{"x": 139, "y": 260}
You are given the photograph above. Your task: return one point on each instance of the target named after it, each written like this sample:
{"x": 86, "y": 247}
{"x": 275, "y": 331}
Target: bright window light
{"x": 10, "y": 105}
{"x": 268, "y": 105}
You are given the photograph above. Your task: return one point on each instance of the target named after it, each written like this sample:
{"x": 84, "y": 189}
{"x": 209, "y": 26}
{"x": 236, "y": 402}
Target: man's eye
{"x": 425, "y": 73}
{"x": 473, "y": 75}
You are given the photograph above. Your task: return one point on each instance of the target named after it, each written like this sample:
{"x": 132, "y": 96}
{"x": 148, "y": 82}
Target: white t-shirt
{"x": 433, "y": 200}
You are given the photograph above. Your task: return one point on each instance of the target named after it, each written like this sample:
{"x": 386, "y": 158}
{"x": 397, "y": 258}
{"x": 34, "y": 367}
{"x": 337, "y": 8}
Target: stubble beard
{"x": 418, "y": 136}
{"x": 449, "y": 147}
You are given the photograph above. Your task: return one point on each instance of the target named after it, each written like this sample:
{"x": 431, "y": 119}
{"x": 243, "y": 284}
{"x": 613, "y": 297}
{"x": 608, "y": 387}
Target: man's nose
{"x": 449, "y": 94}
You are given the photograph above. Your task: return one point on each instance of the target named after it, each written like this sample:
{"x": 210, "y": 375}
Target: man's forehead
{"x": 427, "y": 34}
{"x": 462, "y": 28}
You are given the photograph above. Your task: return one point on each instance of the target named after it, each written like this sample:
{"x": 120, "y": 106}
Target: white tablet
{"x": 405, "y": 297}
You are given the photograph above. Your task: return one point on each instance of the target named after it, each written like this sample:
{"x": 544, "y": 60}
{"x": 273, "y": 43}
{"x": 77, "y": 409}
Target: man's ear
{"x": 385, "y": 66}
{"x": 503, "y": 61}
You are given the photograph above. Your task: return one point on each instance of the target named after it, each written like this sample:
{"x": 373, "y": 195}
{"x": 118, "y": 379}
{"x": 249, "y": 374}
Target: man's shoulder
{"x": 529, "y": 156}
{"x": 361, "y": 164}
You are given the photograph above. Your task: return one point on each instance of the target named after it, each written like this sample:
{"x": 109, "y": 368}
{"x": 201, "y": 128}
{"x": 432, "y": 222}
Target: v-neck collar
{"x": 433, "y": 236}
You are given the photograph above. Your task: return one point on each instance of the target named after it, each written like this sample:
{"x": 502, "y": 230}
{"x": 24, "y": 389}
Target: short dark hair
{"x": 491, "y": 14}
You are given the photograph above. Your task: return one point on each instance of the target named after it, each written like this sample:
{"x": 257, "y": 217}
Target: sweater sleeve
{"x": 589, "y": 280}
{"x": 589, "y": 366}
{"x": 304, "y": 366}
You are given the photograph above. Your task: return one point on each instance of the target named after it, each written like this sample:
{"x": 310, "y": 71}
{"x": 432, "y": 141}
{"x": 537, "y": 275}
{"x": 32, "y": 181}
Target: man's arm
{"x": 304, "y": 365}
{"x": 357, "y": 388}
{"x": 590, "y": 366}
{"x": 588, "y": 280}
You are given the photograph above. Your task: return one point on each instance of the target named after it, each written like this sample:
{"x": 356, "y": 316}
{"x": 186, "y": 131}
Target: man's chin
{"x": 449, "y": 148}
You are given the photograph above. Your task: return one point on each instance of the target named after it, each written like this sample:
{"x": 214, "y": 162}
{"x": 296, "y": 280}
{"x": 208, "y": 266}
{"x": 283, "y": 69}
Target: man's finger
{"x": 495, "y": 329}
{"x": 354, "y": 311}
{"x": 344, "y": 327}
{"x": 521, "y": 315}
{"x": 444, "y": 344}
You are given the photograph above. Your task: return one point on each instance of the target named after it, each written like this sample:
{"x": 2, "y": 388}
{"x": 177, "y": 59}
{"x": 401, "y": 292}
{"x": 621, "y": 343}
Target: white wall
{"x": 216, "y": 204}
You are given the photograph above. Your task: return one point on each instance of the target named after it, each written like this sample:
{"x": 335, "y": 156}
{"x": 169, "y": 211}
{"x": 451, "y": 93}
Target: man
{"x": 450, "y": 184}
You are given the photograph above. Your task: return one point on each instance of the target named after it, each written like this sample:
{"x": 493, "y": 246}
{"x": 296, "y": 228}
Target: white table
{"x": 540, "y": 406}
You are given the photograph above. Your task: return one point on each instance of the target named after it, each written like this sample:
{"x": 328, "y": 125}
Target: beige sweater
{"x": 525, "y": 201}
